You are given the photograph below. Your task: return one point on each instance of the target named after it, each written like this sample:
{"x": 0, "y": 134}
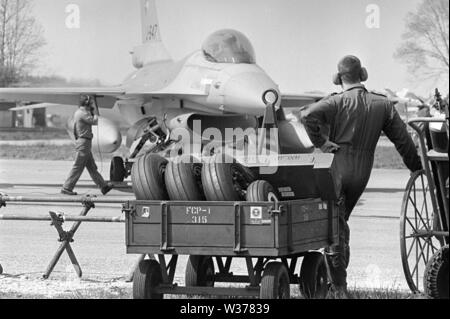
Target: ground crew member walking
{"x": 85, "y": 117}
{"x": 354, "y": 120}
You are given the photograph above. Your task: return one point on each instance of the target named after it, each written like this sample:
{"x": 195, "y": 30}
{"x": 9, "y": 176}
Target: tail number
{"x": 152, "y": 33}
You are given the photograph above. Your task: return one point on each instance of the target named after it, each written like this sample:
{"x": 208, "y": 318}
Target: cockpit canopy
{"x": 228, "y": 46}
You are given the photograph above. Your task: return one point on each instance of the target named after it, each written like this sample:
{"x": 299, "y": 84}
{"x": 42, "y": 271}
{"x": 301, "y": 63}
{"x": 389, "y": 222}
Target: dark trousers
{"x": 355, "y": 168}
{"x": 84, "y": 159}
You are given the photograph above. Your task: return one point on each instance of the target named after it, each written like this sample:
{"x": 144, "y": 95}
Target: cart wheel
{"x": 416, "y": 224}
{"x": 117, "y": 170}
{"x": 225, "y": 180}
{"x": 314, "y": 276}
{"x": 183, "y": 180}
{"x": 260, "y": 191}
{"x": 436, "y": 279}
{"x": 146, "y": 277}
{"x": 199, "y": 272}
{"x": 147, "y": 176}
{"x": 275, "y": 282}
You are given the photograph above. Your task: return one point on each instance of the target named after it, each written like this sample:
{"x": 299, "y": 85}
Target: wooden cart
{"x": 270, "y": 236}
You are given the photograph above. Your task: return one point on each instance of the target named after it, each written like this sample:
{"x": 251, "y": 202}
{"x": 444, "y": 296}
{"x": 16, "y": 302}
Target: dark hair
{"x": 350, "y": 69}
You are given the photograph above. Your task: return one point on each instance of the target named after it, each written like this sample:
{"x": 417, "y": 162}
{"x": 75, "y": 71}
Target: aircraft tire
{"x": 117, "y": 170}
{"x": 147, "y": 176}
{"x": 183, "y": 180}
{"x": 260, "y": 191}
{"x": 224, "y": 179}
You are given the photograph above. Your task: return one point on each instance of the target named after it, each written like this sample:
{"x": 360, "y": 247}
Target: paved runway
{"x": 26, "y": 247}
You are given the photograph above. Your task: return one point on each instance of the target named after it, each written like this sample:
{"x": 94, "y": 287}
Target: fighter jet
{"x": 406, "y": 102}
{"x": 220, "y": 85}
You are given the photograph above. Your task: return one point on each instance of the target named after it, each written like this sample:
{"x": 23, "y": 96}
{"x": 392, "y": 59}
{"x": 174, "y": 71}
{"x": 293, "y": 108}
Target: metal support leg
{"x": 66, "y": 238}
{"x": 251, "y": 272}
{"x": 163, "y": 266}
{"x": 172, "y": 267}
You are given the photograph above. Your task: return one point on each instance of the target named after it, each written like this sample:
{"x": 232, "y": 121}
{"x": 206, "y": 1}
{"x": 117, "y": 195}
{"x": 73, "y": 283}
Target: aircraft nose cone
{"x": 244, "y": 93}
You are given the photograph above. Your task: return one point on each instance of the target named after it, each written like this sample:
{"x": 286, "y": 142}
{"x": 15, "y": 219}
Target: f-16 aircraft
{"x": 406, "y": 102}
{"x": 405, "y": 96}
{"x": 220, "y": 85}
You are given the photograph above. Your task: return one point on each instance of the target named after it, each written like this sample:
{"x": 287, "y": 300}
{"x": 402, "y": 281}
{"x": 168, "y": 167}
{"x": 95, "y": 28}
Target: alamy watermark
{"x": 373, "y": 19}
{"x": 252, "y": 146}
{"x": 73, "y": 16}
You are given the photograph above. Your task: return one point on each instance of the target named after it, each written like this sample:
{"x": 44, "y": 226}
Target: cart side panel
{"x": 231, "y": 228}
{"x": 221, "y": 236}
{"x": 308, "y": 223}
{"x": 201, "y": 224}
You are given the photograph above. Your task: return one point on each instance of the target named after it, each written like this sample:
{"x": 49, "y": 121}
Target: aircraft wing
{"x": 106, "y": 97}
{"x": 38, "y": 106}
{"x": 299, "y": 100}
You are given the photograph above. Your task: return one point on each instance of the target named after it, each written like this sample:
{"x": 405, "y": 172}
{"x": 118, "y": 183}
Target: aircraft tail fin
{"x": 152, "y": 50}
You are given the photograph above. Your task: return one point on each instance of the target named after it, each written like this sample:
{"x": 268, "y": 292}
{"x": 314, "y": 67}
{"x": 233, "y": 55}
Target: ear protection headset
{"x": 363, "y": 76}
{"x": 85, "y": 100}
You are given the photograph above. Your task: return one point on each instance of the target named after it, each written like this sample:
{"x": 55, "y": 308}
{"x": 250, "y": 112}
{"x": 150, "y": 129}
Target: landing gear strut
{"x": 121, "y": 169}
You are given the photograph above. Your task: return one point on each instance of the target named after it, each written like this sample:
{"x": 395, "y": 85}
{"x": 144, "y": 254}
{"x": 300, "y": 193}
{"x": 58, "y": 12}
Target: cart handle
{"x": 413, "y": 123}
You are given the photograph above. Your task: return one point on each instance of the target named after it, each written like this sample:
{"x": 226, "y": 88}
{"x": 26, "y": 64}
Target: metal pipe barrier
{"x": 84, "y": 200}
{"x": 58, "y": 219}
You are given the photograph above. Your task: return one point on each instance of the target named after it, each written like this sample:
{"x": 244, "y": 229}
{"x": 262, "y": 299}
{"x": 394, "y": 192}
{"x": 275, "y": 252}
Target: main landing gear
{"x": 120, "y": 169}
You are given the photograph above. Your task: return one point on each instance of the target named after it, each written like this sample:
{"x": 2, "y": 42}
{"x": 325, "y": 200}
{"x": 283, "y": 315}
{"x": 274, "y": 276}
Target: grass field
{"x": 33, "y": 134}
{"x": 385, "y": 157}
{"x": 126, "y": 293}
{"x": 46, "y": 153}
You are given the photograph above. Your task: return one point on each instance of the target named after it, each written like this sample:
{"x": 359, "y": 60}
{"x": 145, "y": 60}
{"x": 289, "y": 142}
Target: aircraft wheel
{"x": 275, "y": 282}
{"x": 313, "y": 276}
{"x": 436, "y": 280}
{"x": 146, "y": 277}
{"x": 260, "y": 191}
{"x": 147, "y": 177}
{"x": 199, "y": 272}
{"x": 1, "y": 269}
{"x": 117, "y": 172}
{"x": 224, "y": 179}
{"x": 183, "y": 180}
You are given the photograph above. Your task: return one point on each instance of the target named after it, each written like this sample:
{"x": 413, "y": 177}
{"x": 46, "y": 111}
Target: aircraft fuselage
{"x": 195, "y": 85}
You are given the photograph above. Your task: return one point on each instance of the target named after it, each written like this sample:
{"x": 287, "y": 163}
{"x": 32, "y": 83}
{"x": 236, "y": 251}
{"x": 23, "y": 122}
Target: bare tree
{"x": 21, "y": 37}
{"x": 425, "y": 47}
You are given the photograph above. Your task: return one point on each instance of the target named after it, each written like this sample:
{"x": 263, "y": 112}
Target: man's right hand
{"x": 94, "y": 107}
{"x": 330, "y": 147}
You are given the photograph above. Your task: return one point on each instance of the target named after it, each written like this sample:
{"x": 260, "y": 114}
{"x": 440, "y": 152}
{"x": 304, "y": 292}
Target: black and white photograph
{"x": 223, "y": 154}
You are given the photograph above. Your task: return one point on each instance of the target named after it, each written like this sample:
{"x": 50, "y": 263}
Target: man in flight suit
{"x": 85, "y": 117}
{"x": 354, "y": 120}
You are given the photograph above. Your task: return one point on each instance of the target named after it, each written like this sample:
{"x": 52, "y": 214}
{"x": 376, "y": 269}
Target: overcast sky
{"x": 298, "y": 42}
